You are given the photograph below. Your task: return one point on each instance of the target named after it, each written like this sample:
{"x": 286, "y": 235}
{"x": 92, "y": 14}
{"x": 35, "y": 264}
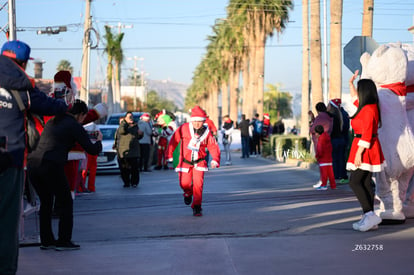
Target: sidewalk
{"x": 259, "y": 218}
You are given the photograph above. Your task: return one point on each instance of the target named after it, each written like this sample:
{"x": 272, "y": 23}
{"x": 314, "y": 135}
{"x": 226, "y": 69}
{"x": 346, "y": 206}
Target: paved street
{"x": 260, "y": 217}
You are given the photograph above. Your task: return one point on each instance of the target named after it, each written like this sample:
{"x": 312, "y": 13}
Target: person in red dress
{"x": 195, "y": 138}
{"x": 366, "y": 155}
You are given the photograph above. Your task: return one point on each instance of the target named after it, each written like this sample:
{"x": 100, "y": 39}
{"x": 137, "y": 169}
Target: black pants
{"x": 129, "y": 169}
{"x": 364, "y": 188}
{"x": 145, "y": 153}
{"x": 256, "y": 144}
{"x": 50, "y": 182}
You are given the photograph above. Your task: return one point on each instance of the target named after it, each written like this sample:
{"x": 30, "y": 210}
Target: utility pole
{"x": 84, "y": 91}
{"x": 136, "y": 59}
{"x": 12, "y": 20}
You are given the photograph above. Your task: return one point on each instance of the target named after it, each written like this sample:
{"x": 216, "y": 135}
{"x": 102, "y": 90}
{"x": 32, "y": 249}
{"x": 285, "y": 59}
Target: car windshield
{"x": 108, "y": 133}
{"x": 114, "y": 118}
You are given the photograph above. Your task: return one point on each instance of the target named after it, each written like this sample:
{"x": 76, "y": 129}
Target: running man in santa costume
{"x": 195, "y": 138}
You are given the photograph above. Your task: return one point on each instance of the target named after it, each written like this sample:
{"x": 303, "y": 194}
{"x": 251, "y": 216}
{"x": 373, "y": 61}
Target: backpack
{"x": 32, "y": 134}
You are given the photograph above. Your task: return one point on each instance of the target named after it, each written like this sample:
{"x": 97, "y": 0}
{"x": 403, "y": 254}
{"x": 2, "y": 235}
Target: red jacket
{"x": 194, "y": 157}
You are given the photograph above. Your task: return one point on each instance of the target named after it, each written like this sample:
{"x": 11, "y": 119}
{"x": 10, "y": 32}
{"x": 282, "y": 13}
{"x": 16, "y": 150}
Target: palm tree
{"x": 367, "y": 18}
{"x": 335, "y": 58}
{"x": 64, "y": 65}
{"x": 315, "y": 53}
{"x": 261, "y": 18}
{"x": 118, "y": 59}
{"x": 113, "y": 50}
{"x": 109, "y": 50}
{"x": 305, "y": 69}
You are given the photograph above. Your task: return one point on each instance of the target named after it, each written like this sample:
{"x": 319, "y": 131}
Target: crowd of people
{"x": 65, "y": 158}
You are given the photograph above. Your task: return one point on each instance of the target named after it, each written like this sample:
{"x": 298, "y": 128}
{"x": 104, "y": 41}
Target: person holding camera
{"x": 128, "y": 149}
{"x": 46, "y": 166}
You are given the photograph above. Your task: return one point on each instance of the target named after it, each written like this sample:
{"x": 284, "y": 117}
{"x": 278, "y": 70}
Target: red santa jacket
{"x": 324, "y": 150}
{"x": 193, "y": 148}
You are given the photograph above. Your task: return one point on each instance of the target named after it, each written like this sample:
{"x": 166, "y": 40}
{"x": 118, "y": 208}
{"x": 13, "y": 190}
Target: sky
{"x": 169, "y": 36}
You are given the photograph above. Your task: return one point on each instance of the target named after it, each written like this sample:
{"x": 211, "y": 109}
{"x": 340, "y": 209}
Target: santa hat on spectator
{"x": 145, "y": 116}
{"x": 198, "y": 114}
{"x": 266, "y": 115}
{"x": 336, "y": 102}
{"x": 63, "y": 83}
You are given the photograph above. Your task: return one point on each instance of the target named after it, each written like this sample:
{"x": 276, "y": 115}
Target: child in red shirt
{"x": 324, "y": 157}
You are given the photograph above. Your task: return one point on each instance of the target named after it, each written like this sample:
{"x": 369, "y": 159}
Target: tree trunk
{"x": 224, "y": 98}
{"x": 234, "y": 86}
{"x": 315, "y": 54}
{"x": 367, "y": 18}
{"x": 260, "y": 59}
{"x": 335, "y": 59}
{"x": 305, "y": 70}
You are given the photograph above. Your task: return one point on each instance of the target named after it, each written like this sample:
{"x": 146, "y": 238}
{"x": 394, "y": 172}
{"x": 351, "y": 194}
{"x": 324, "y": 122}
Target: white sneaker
{"x": 368, "y": 222}
{"x": 318, "y": 184}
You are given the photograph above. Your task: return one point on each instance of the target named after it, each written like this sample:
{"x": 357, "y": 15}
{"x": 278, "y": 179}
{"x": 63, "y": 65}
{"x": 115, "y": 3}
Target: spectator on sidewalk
{"x": 227, "y": 131}
{"x": 322, "y": 118}
{"x": 324, "y": 158}
{"x": 244, "y": 126}
{"x": 129, "y": 150}
{"x": 257, "y": 134}
{"x": 145, "y": 142}
{"x": 13, "y": 61}
{"x": 46, "y": 169}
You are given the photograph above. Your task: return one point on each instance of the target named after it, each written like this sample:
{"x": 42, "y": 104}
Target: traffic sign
{"x": 355, "y": 48}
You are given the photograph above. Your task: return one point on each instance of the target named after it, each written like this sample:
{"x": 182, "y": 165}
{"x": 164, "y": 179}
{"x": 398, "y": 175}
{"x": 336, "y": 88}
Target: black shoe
{"x": 147, "y": 170}
{"x": 134, "y": 185}
{"x": 188, "y": 200}
{"x": 197, "y": 211}
{"x": 158, "y": 167}
{"x": 66, "y": 246}
{"x": 48, "y": 246}
{"x": 166, "y": 167}
{"x": 127, "y": 185}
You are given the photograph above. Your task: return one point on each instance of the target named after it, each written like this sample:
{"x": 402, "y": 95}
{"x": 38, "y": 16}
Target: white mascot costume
{"x": 388, "y": 68}
{"x": 408, "y": 188}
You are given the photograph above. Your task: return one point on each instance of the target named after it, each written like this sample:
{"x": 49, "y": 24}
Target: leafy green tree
{"x": 64, "y": 65}
{"x": 277, "y": 103}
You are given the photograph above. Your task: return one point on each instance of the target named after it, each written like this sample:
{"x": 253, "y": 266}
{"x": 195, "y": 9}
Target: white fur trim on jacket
{"x": 101, "y": 109}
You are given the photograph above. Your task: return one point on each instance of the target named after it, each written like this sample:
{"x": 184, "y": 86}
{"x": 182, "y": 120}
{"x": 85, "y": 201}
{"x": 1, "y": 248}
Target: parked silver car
{"x": 107, "y": 160}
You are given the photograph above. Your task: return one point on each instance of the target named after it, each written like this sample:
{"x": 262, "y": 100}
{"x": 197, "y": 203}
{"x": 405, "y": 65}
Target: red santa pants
{"x": 71, "y": 172}
{"x": 162, "y": 147}
{"x": 192, "y": 185}
{"x": 91, "y": 166}
{"x": 327, "y": 172}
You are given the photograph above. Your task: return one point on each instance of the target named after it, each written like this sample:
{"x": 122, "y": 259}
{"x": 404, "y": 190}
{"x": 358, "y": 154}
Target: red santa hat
{"x": 336, "y": 102}
{"x": 198, "y": 114}
{"x": 145, "y": 116}
{"x": 63, "y": 81}
{"x": 266, "y": 115}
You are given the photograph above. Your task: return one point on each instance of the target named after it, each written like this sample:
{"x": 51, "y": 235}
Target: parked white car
{"x": 107, "y": 160}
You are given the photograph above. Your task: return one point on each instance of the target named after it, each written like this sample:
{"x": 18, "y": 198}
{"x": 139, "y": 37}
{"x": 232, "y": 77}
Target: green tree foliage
{"x": 64, "y": 65}
{"x": 277, "y": 103}
{"x": 154, "y": 101}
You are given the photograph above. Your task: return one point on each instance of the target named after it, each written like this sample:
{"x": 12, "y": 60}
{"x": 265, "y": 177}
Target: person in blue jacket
{"x": 13, "y": 61}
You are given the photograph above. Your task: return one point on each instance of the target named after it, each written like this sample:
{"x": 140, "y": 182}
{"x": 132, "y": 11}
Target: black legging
{"x": 364, "y": 188}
